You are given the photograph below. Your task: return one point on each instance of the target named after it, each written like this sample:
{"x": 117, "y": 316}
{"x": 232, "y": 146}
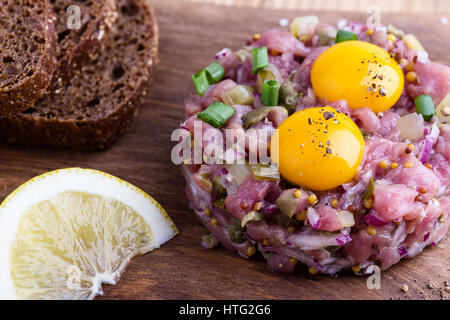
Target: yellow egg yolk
{"x": 362, "y": 73}
{"x": 318, "y": 148}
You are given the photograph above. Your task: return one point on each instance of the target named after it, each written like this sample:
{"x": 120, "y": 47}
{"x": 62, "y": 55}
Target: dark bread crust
{"x": 82, "y": 117}
{"x": 32, "y": 60}
{"x": 77, "y": 47}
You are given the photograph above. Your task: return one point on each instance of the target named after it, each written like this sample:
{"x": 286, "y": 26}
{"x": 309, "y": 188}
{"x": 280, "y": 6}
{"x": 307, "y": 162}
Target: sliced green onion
{"x": 268, "y": 73}
{"x": 201, "y": 82}
{"x": 343, "y": 35}
{"x": 425, "y": 106}
{"x": 215, "y": 72}
{"x": 217, "y": 114}
{"x": 260, "y": 59}
{"x": 269, "y": 95}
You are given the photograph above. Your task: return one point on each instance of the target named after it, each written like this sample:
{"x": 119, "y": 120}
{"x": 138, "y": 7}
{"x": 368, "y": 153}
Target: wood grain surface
{"x": 190, "y": 35}
{"x": 409, "y": 6}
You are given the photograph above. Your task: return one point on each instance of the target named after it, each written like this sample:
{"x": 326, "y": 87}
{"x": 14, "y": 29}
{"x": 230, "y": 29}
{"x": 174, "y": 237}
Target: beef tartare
{"x": 362, "y": 168}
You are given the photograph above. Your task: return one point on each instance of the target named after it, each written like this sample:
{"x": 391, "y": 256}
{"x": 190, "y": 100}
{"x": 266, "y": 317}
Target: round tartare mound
{"x": 396, "y": 201}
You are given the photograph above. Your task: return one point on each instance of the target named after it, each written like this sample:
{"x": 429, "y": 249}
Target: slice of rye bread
{"x": 79, "y": 42}
{"x": 98, "y": 104}
{"x": 28, "y": 47}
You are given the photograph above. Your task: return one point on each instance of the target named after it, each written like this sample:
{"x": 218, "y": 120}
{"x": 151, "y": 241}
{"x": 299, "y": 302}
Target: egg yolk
{"x": 318, "y": 148}
{"x": 362, "y": 73}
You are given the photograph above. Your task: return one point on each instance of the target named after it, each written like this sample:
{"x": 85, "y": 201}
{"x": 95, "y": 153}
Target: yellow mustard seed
{"x": 394, "y": 165}
{"x": 411, "y": 77}
{"x": 301, "y": 216}
{"x": 369, "y": 32}
{"x": 442, "y": 218}
{"x": 391, "y": 37}
{"x": 312, "y": 270}
{"x": 266, "y": 243}
{"x": 371, "y": 231}
{"x": 368, "y": 203}
{"x": 293, "y": 261}
{"x": 356, "y": 269}
{"x": 408, "y": 164}
{"x": 312, "y": 199}
{"x": 274, "y": 52}
{"x": 410, "y": 66}
{"x": 334, "y": 203}
{"x": 383, "y": 164}
{"x": 297, "y": 193}
{"x": 208, "y": 212}
{"x": 291, "y": 229}
{"x": 405, "y": 288}
{"x": 214, "y": 222}
{"x": 251, "y": 251}
{"x": 258, "y": 206}
{"x": 256, "y": 36}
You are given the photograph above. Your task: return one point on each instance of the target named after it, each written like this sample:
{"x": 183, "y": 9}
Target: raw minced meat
{"x": 396, "y": 205}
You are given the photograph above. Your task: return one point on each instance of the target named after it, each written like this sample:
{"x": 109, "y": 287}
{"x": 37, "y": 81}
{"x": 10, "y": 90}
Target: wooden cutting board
{"x": 190, "y": 35}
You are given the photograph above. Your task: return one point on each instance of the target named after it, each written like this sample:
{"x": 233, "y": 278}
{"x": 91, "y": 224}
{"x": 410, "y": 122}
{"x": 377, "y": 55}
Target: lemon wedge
{"x": 65, "y": 233}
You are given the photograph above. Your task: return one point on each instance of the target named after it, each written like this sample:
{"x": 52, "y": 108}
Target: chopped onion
{"x": 244, "y": 54}
{"x": 402, "y": 251}
{"x": 301, "y": 25}
{"x": 269, "y": 209}
{"x": 346, "y": 218}
{"x": 443, "y": 111}
{"x": 426, "y": 151}
{"x": 223, "y": 53}
{"x": 343, "y": 239}
{"x": 312, "y": 240}
{"x": 326, "y": 34}
{"x": 268, "y": 73}
{"x": 411, "y": 126}
{"x": 430, "y": 141}
{"x": 372, "y": 220}
{"x": 313, "y": 217}
{"x": 239, "y": 172}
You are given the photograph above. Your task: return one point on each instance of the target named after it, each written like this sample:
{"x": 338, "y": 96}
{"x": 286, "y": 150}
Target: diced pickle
{"x": 287, "y": 204}
{"x": 288, "y": 97}
{"x": 285, "y": 221}
{"x": 265, "y": 171}
{"x": 369, "y": 190}
{"x": 218, "y": 190}
{"x": 269, "y": 73}
{"x": 251, "y": 216}
{"x": 254, "y": 116}
{"x": 210, "y": 241}
{"x": 239, "y": 95}
{"x": 236, "y": 232}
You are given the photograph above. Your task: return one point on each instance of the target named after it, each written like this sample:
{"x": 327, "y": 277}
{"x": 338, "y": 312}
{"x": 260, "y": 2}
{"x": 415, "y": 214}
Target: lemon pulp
{"x": 67, "y": 246}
